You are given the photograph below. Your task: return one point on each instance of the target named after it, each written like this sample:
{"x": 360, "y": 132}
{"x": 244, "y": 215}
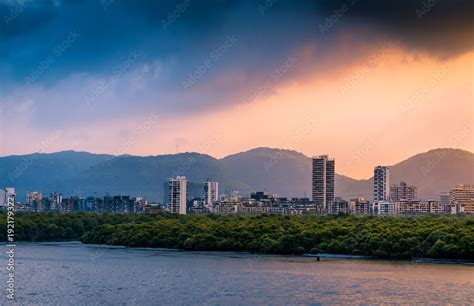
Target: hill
{"x": 284, "y": 172}
{"x": 288, "y": 172}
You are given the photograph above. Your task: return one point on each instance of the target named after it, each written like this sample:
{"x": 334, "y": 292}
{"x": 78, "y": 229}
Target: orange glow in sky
{"x": 381, "y": 109}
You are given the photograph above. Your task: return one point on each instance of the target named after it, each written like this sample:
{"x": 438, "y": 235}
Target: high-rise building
{"x": 177, "y": 195}
{"x": 381, "y": 183}
{"x": 211, "y": 193}
{"x": 402, "y": 192}
{"x": 323, "y": 182}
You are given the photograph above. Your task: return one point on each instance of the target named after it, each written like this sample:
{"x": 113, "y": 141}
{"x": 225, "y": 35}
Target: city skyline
{"x": 343, "y": 69}
{"x": 385, "y": 193}
{"x": 460, "y": 201}
{"x": 220, "y": 152}
{"x": 282, "y": 172}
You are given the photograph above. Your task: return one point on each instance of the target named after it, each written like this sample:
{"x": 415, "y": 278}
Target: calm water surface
{"x": 76, "y": 274}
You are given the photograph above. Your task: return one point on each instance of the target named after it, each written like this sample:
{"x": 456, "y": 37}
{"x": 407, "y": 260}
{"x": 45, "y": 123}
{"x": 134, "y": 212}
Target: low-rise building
{"x": 461, "y": 193}
{"x": 382, "y": 208}
{"x": 339, "y": 206}
{"x": 359, "y": 206}
{"x": 461, "y": 199}
{"x": 403, "y": 192}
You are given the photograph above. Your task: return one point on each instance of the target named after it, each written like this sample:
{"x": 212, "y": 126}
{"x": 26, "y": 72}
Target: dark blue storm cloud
{"x": 189, "y": 55}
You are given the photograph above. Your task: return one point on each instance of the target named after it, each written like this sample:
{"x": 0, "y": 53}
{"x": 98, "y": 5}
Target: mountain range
{"x": 284, "y": 172}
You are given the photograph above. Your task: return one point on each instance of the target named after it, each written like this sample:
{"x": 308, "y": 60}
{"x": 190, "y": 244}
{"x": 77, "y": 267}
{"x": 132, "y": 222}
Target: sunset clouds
{"x": 315, "y": 76}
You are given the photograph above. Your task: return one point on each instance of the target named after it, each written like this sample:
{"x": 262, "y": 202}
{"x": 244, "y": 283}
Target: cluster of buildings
{"x": 388, "y": 199}
{"x": 402, "y": 199}
{"x": 55, "y": 202}
{"x": 212, "y": 202}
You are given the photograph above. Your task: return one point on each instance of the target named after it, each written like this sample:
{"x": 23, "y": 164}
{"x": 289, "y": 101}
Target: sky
{"x": 368, "y": 82}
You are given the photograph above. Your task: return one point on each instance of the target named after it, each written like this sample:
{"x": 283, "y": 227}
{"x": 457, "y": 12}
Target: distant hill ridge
{"x": 284, "y": 172}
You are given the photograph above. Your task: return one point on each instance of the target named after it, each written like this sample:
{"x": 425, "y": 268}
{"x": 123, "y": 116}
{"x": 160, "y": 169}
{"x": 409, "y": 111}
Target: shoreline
{"x": 74, "y": 243}
{"x": 429, "y": 239}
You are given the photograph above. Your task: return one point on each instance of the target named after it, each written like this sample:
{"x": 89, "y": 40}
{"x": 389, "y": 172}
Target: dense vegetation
{"x": 450, "y": 237}
{"x": 62, "y": 227}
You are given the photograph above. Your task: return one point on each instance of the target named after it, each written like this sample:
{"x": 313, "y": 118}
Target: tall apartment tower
{"x": 177, "y": 195}
{"x": 381, "y": 183}
{"x": 211, "y": 192}
{"x": 323, "y": 182}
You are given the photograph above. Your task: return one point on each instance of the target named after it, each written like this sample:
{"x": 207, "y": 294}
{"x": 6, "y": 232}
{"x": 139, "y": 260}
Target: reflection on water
{"x": 71, "y": 273}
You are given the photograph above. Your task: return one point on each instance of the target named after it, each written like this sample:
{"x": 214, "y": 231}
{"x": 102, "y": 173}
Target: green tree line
{"x": 35, "y": 227}
{"x": 449, "y": 237}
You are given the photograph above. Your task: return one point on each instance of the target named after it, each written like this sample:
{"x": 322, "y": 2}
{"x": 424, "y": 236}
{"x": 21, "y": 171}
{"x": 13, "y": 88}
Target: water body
{"x": 76, "y": 274}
